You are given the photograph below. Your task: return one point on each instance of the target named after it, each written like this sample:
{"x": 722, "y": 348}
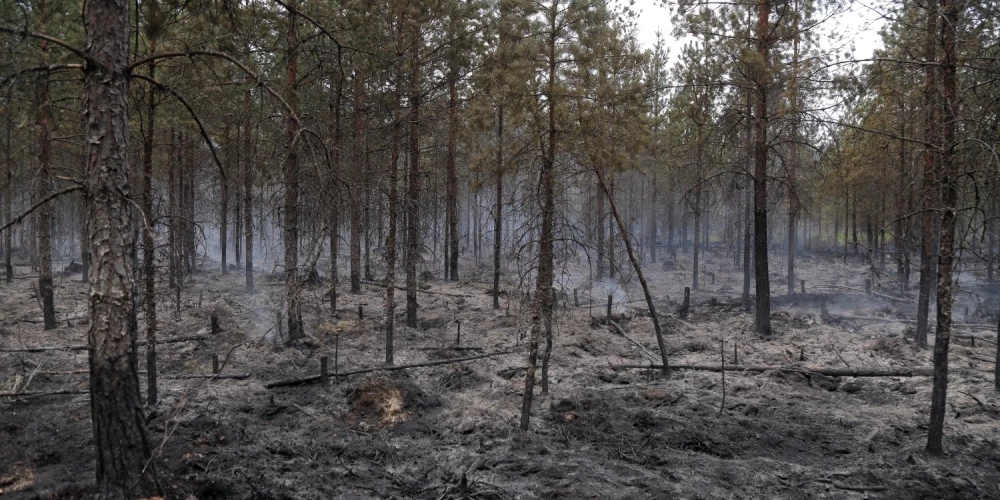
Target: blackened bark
{"x": 748, "y": 209}
{"x": 124, "y": 463}
{"x": 148, "y": 241}
{"x": 498, "y": 211}
{"x": 44, "y": 184}
{"x": 248, "y": 193}
{"x": 390, "y": 242}
{"x": 356, "y": 201}
{"x": 949, "y": 200}
{"x": 294, "y": 309}
{"x": 452, "y": 209}
{"x": 413, "y": 189}
{"x": 224, "y": 209}
{"x": 929, "y": 182}
{"x": 763, "y": 306}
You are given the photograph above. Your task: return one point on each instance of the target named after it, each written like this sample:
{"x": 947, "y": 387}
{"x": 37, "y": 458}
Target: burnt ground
{"x": 450, "y": 431}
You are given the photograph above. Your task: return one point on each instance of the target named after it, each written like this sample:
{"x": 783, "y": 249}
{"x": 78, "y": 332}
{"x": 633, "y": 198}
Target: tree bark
{"x": 452, "y": 209}
{"x": 358, "y": 160}
{"x": 44, "y": 183}
{"x": 124, "y": 463}
{"x": 413, "y": 188}
{"x": 248, "y": 192}
{"x": 498, "y": 211}
{"x": 292, "y": 126}
{"x": 148, "y": 240}
{"x": 929, "y": 182}
{"x": 748, "y": 210}
{"x": 390, "y": 242}
{"x": 763, "y": 306}
{"x": 949, "y": 200}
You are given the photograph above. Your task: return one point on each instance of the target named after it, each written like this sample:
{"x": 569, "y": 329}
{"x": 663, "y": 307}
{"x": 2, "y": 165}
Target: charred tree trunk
{"x": 224, "y": 208}
{"x": 44, "y": 183}
{"x": 498, "y": 211}
{"x": 295, "y": 327}
{"x": 148, "y": 240}
{"x": 696, "y": 208}
{"x": 124, "y": 464}
{"x": 949, "y": 200}
{"x": 748, "y": 209}
{"x": 600, "y": 236}
{"x": 390, "y": 242}
{"x": 413, "y": 189}
{"x": 763, "y": 307}
{"x": 452, "y": 209}
{"x": 356, "y": 201}
{"x": 248, "y": 193}
{"x": 338, "y": 135}
{"x": 929, "y": 182}
{"x": 9, "y": 211}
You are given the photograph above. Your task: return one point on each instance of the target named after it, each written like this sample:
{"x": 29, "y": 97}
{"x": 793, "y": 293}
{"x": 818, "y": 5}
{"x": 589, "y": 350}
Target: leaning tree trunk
{"x": 44, "y": 183}
{"x": 124, "y": 464}
{"x": 949, "y": 201}
{"x": 295, "y": 327}
{"x": 763, "y": 306}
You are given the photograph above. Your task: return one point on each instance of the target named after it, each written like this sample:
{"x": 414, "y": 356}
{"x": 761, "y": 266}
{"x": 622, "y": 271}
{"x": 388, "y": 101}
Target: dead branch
{"x": 14, "y": 394}
{"x": 316, "y": 378}
{"x": 618, "y": 329}
{"x": 431, "y": 292}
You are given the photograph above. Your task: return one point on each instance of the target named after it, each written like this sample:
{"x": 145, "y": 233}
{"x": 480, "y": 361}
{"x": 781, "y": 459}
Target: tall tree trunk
{"x": 44, "y": 183}
{"x": 748, "y": 209}
{"x": 148, "y": 240}
{"x": 390, "y": 243}
{"x": 763, "y": 308}
{"x": 949, "y": 200}
{"x": 601, "y": 259}
{"x": 543, "y": 286}
{"x": 224, "y": 207}
{"x": 929, "y": 182}
{"x": 124, "y": 464}
{"x": 793, "y": 164}
{"x": 697, "y": 210}
{"x": 292, "y": 126}
{"x": 356, "y": 173}
{"x": 338, "y": 135}
{"x": 498, "y": 211}
{"x": 248, "y": 191}
{"x": 452, "y": 210}
{"x": 413, "y": 188}
{"x": 8, "y": 207}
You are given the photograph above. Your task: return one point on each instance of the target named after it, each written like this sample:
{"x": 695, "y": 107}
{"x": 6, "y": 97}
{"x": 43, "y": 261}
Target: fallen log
{"x": 233, "y": 376}
{"x": 189, "y": 338}
{"x": 387, "y": 368}
{"x": 829, "y": 372}
{"x": 14, "y": 394}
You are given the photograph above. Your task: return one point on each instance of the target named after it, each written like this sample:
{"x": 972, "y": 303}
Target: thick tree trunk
{"x": 292, "y": 126}
{"x": 148, "y": 240}
{"x": 763, "y": 307}
{"x": 949, "y": 200}
{"x": 124, "y": 463}
{"x": 44, "y": 183}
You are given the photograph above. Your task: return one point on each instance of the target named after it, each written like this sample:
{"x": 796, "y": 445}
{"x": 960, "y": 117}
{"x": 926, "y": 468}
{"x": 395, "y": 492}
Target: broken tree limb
{"x": 190, "y": 338}
{"x": 808, "y": 370}
{"x": 618, "y": 329}
{"x": 316, "y": 378}
{"x": 912, "y": 322}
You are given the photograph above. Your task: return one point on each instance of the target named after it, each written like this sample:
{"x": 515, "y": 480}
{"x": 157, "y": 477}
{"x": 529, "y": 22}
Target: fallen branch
{"x": 190, "y": 338}
{"x": 233, "y": 376}
{"x": 618, "y": 329}
{"x": 911, "y": 322}
{"x": 317, "y": 378}
{"x": 432, "y": 292}
{"x": 829, "y": 372}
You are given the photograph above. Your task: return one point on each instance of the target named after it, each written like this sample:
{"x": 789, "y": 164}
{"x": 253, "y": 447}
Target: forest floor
{"x": 450, "y": 431}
